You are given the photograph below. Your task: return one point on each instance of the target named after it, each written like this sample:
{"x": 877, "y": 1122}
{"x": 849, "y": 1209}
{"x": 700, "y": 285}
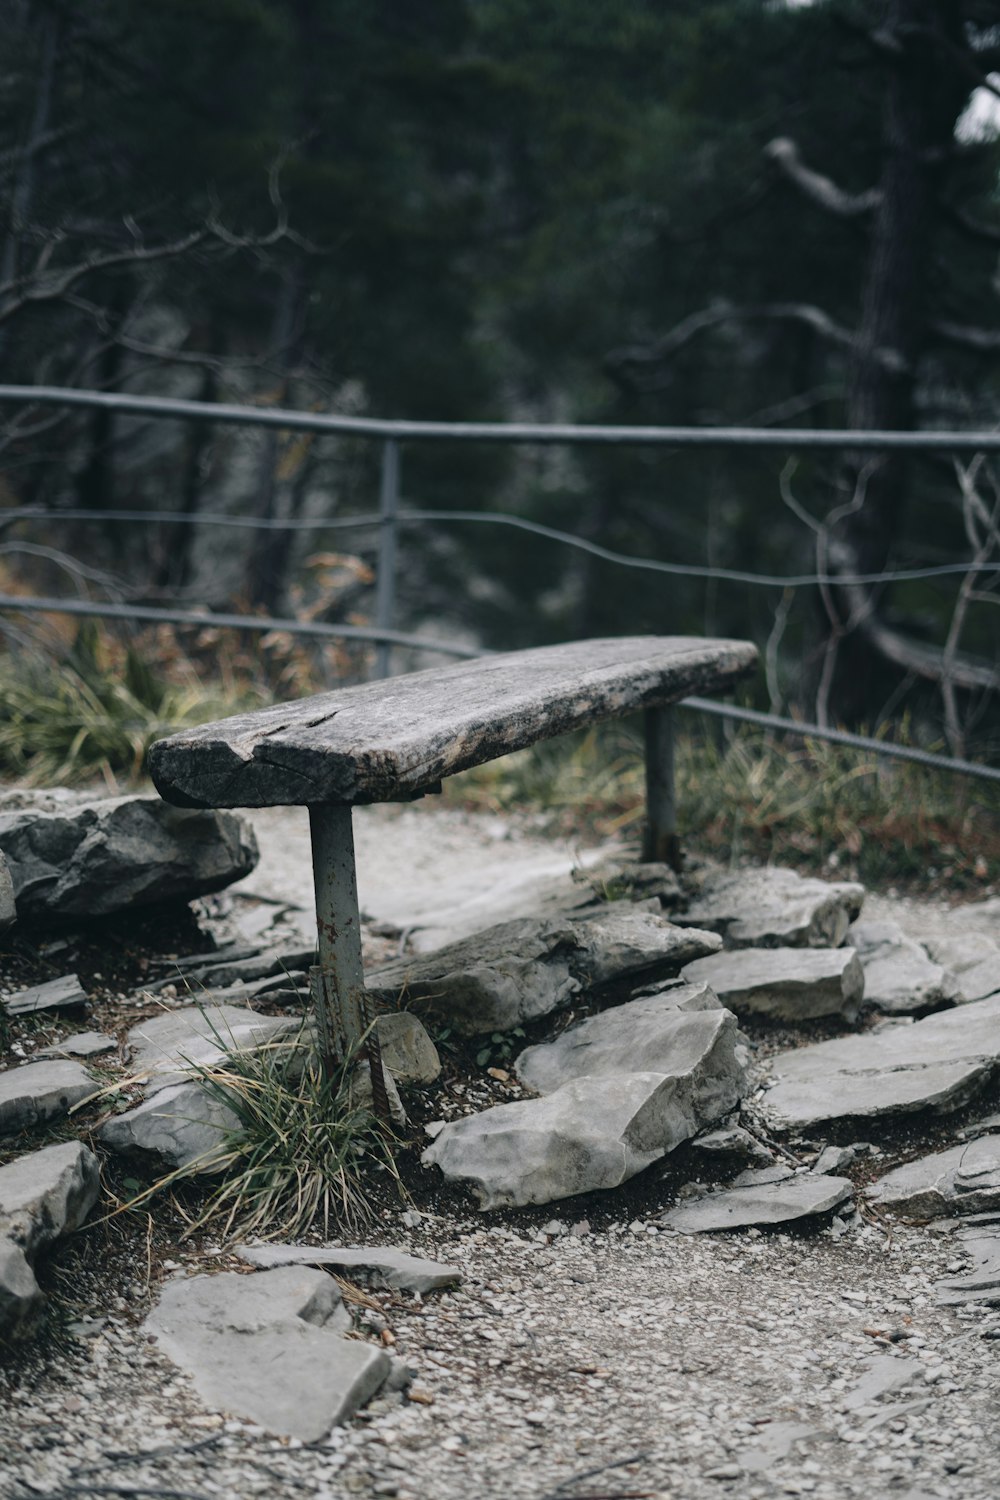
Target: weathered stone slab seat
{"x": 392, "y": 740}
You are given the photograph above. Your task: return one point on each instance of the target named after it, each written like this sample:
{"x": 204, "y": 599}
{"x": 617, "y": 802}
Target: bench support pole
{"x": 344, "y": 1014}
{"x": 660, "y": 841}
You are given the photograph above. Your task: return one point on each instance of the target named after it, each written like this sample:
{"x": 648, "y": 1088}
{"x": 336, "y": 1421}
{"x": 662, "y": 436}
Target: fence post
{"x": 660, "y": 842}
{"x": 385, "y": 577}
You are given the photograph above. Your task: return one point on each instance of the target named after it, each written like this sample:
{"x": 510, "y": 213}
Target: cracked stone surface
{"x": 43, "y": 1195}
{"x": 8, "y": 911}
{"x": 270, "y": 1347}
{"x": 790, "y": 984}
{"x": 979, "y": 1285}
{"x": 963, "y": 1179}
{"x": 938, "y": 1063}
{"x": 773, "y": 908}
{"x": 899, "y": 976}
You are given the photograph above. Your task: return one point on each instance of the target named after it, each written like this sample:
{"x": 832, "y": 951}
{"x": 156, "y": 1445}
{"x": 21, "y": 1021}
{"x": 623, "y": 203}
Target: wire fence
{"x": 391, "y": 516}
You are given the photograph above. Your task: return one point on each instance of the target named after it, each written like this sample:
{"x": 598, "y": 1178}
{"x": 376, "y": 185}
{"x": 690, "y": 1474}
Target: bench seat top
{"x": 394, "y": 739}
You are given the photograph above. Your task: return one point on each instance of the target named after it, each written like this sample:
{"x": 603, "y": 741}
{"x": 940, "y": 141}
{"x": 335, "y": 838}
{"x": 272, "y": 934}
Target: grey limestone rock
{"x": 80, "y": 1044}
{"x": 43, "y": 1195}
{"x": 407, "y": 1050}
{"x": 41, "y": 1091}
{"x": 980, "y": 1285}
{"x": 269, "y": 1347}
{"x": 93, "y": 858}
{"x": 833, "y": 1159}
{"x": 963, "y": 1179}
{"x": 8, "y": 911}
{"x": 382, "y": 1264}
{"x": 772, "y": 1196}
{"x": 773, "y": 908}
{"x": 962, "y": 949}
{"x": 599, "y": 1129}
{"x": 938, "y": 1063}
{"x": 790, "y": 984}
{"x": 183, "y": 1125}
{"x": 521, "y": 970}
{"x": 669, "y": 1032}
{"x": 732, "y": 1142}
{"x": 65, "y": 993}
{"x": 979, "y": 980}
{"x": 899, "y": 977}
{"x": 165, "y": 1048}
{"x": 180, "y": 1121}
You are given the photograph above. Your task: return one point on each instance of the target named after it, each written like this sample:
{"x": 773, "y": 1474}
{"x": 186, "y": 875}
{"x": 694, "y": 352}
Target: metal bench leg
{"x": 660, "y": 841}
{"x": 344, "y": 1013}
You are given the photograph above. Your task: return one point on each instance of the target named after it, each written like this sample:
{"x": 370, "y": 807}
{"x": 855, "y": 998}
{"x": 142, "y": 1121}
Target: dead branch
{"x": 984, "y": 340}
{"x": 817, "y": 187}
{"x": 975, "y": 228}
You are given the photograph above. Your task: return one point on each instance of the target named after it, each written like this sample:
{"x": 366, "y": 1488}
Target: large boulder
{"x": 899, "y": 977}
{"x": 773, "y": 908}
{"x": 938, "y": 1063}
{"x": 519, "y": 971}
{"x": 42, "y": 1196}
{"x": 269, "y": 1347}
{"x": 598, "y": 1129}
{"x": 788, "y": 984}
{"x": 94, "y": 858}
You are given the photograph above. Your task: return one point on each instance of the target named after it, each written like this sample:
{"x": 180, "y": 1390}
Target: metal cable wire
{"x": 519, "y": 523}
{"x": 400, "y": 638}
{"x": 163, "y": 407}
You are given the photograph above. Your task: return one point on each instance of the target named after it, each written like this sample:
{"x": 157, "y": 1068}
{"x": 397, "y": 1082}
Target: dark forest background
{"x": 576, "y": 210}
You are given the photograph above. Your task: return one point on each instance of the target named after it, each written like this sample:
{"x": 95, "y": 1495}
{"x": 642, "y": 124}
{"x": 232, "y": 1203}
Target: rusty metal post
{"x": 660, "y": 840}
{"x": 344, "y": 1013}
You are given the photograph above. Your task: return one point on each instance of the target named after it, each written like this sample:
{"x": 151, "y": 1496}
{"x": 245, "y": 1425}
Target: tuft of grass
{"x": 747, "y": 793}
{"x": 95, "y": 711}
{"x": 296, "y": 1152}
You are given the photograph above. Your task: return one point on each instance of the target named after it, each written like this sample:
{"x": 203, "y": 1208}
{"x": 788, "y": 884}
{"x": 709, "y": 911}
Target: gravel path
{"x": 605, "y": 1364}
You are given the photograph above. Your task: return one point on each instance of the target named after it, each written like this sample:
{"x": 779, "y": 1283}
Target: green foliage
{"x": 293, "y": 1159}
{"x": 95, "y": 712}
{"x": 500, "y": 1047}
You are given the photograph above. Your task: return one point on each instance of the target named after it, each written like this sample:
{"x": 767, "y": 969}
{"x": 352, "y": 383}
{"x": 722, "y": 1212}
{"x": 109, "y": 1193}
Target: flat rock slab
{"x": 94, "y": 858}
{"x": 80, "y": 1044}
{"x": 269, "y": 1347}
{"x": 672, "y": 1032}
{"x": 391, "y": 740}
{"x": 42, "y": 1196}
{"x": 41, "y": 1091}
{"x": 789, "y": 984}
{"x": 938, "y": 1063}
{"x": 165, "y": 1049}
{"x": 595, "y": 1131}
{"x": 64, "y": 993}
{"x": 963, "y": 1179}
{"x": 760, "y": 1199}
{"x": 522, "y": 970}
{"x": 900, "y": 979}
{"x": 773, "y": 908}
{"x": 980, "y": 979}
{"x": 381, "y": 1264}
{"x": 8, "y": 911}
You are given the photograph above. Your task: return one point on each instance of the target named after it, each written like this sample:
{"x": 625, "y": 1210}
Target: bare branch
{"x": 819, "y": 188}
{"x": 663, "y": 349}
{"x": 984, "y": 340}
{"x": 972, "y": 226}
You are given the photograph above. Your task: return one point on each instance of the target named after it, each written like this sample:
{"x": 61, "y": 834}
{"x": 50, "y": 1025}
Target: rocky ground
{"x": 591, "y": 1350}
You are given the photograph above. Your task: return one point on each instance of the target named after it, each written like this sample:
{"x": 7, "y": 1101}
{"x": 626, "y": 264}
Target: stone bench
{"x": 395, "y": 740}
